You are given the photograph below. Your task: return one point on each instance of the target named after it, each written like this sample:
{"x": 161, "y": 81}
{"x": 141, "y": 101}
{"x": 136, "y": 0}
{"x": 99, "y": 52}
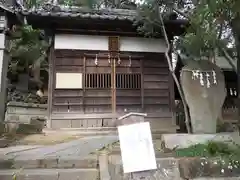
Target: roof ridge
{"x": 6, "y": 7}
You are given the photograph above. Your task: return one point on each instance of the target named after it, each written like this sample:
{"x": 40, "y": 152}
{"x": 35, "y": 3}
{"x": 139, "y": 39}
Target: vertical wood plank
{"x": 51, "y": 75}
{"x": 172, "y": 107}
{"x": 142, "y": 85}
{"x": 84, "y": 80}
{"x": 113, "y": 47}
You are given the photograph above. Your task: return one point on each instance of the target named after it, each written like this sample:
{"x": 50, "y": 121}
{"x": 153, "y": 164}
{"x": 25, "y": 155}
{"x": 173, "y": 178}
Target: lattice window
{"x": 98, "y": 81}
{"x": 128, "y": 81}
{"x": 103, "y": 81}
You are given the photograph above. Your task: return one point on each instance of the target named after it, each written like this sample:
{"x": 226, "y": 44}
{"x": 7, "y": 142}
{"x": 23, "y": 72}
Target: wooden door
{"x": 128, "y": 84}
{"x": 98, "y": 84}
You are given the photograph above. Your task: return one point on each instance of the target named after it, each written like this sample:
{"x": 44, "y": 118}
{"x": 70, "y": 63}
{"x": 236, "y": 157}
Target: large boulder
{"x": 203, "y": 84}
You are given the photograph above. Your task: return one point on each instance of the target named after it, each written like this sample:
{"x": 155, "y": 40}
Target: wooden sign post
{"x": 138, "y": 155}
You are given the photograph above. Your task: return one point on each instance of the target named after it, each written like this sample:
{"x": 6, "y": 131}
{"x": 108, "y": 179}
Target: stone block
{"x": 6, "y": 164}
{"x": 5, "y": 143}
{"x": 78, "y": 174}
{"x": 23, "y": 112}
{"x": 191, "y": 168}
{"x": 2, "y": 128}
{"x": 36, "y": 174}
{"x": 172, "y": 141}
{"x": 39, "y": 122}
{"x": 76, "y": 162}
{"x": 27, "y": 129}
{"x": 167, "y": 169}
{"x": 26, "y": 164}
{"x": 11, "y": 127}
{"x": 103, "y": 167}
{"x": 49, "y": 163}
{"x": 213, "y": 178}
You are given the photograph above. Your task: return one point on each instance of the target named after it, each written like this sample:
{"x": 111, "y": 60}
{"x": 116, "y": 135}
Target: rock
{"x": 227, "y": 127}
{"x": 195, "y": 167}
{"x": 2, "y": 128}
{"x": 4, "y": 142}
{"x": 200, "y": 81}
{"x": 39, "y": 122}
{"x": 11, "y": 127}
{"x": 172, "y": 141}
{"x": 28, "y": 129}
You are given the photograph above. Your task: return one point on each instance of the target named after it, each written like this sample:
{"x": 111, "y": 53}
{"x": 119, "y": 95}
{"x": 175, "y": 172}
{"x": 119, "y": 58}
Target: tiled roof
{"x": 84, "y": 13}
{"x": 6, "y": 7}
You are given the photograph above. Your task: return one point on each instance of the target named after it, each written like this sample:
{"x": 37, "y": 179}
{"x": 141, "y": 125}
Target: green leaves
{"x": 28, "y": 48}
{"x": 210, "y": 23}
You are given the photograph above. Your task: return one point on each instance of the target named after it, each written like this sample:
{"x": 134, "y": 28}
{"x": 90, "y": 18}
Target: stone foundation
{"x": 25, "y": 118}
{"x": 24, "y": 112}
{"x": 176, "y": 169}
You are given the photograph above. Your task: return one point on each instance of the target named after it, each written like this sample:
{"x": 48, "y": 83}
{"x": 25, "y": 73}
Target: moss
{"x": 226, "y": 152}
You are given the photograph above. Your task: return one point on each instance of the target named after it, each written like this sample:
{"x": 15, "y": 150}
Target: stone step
{"x": 89, "y": 129}
{"x": 68, "y": 162}
{"x": 50, "y": 174}
{"x": 156, "y": 134}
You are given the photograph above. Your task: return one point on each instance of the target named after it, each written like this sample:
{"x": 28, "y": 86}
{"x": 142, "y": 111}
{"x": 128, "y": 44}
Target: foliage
{"x": 228, "y": 152}
{"x": 27, "y": 49}
{"x": 210, "y": 24}
{"x": 28, "y": 45}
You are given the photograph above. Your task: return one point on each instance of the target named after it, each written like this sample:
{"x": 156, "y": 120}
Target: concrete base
{"x": 172, "y": 141}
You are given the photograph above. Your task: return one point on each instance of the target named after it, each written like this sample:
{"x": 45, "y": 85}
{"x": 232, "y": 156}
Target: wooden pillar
{"x": 142, "y": 84}
{"x": 50, "y": 79}
{"x": 4, "y": 60}
{"x": 113, "y": 47}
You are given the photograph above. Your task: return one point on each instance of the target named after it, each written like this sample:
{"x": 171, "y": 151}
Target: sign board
{"x": 136, "y": 147}
{"x": 68, "y": 80}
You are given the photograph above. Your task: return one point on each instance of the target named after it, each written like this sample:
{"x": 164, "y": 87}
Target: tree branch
{"x": 220, "y": 31}
{"x": 229, "y": 59}
{"x": 173, "y": 73}
{"x": 181, "y": 13}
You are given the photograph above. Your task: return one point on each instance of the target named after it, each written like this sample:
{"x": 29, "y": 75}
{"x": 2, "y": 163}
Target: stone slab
{"x": 172, "y": 141}
{"x": 74, "y": 154}
{"x": 78, "y": 174}
{"x": 191, "y": 168}
{"x": 90, "y": 161}
{"x": 15, "y": 149}
{"x": 36, "y": 174}
{"x": 50, "y": 174}
{"x": 80, "y": 147}
{"x": 87, "y": 162}
{"x": 167, "y": 169}
{"x": 178, "y": 168}
{"x": 225, "y": 178}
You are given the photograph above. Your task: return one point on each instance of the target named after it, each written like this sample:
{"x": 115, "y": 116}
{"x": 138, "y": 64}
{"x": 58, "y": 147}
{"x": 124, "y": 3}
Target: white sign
{"x": 136, "y": 147}
{"x": 68, "y": 80}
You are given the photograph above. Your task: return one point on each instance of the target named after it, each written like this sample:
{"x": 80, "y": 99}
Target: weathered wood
{"x": 137, "y": 83}
{"x": 50, "y": 84}
{"x": 142, "y": 86}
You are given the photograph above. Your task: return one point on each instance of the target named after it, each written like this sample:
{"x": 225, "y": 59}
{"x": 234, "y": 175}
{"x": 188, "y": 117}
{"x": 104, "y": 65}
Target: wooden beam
{"x": 84, "y": 79}
{"x": 50, "y": 84}
{"x": 142, "y": 84}
{"x": 113, "y": 47}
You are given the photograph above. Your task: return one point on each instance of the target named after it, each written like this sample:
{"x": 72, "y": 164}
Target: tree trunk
{"x": 180, "y": 89}
{"x": 36, "y": 71}
{"x": 236, "y": 32}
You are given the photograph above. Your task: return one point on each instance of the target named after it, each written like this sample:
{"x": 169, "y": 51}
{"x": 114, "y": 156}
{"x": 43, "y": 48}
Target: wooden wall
{"x": 138, "y": 83}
